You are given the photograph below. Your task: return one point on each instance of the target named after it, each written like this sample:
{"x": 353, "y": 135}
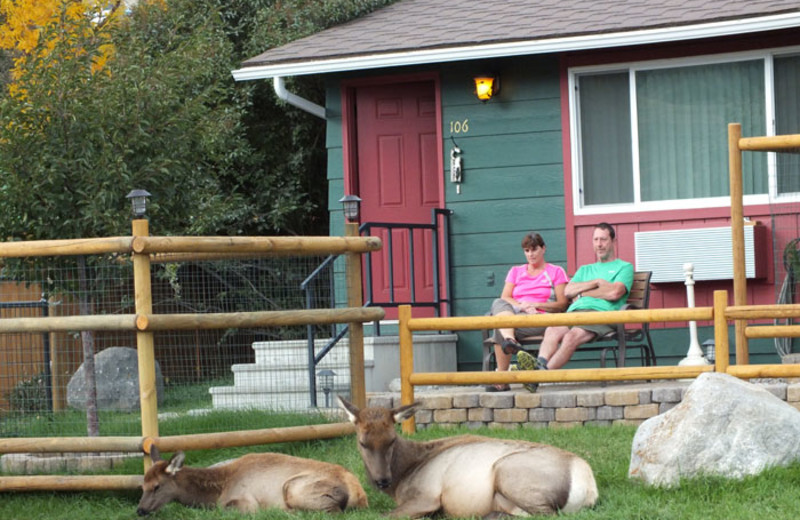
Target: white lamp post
{"x": 695, "y": 355}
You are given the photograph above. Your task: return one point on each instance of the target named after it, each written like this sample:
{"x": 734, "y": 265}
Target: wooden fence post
{"x": 406, "y": 338}
{"x": 148, "y": 396}
{"x": 355, "y": 299}
{"x": 737, "y": 237}
{"x": 721, "y": 349}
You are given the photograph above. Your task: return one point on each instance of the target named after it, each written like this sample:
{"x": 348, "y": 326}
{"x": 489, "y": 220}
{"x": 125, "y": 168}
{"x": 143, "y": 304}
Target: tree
{"x": 84, "y": 122}
{"x": 100, "y": 100}
{"x": 301, "y": 152}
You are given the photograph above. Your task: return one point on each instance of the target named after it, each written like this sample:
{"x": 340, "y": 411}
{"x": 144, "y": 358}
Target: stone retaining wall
{"x": 556, "y": 405}
{"x": 48, "y": 463}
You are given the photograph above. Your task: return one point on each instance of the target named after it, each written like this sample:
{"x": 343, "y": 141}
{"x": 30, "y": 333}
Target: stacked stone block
{"x": 553, "y": 407}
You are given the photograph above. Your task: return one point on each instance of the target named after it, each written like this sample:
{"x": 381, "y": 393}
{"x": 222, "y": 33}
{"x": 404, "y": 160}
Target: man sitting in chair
{"x": 601, "y": 286}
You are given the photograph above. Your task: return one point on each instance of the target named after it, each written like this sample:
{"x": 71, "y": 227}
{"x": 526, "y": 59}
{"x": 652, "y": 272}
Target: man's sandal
{"x": 497, "y": 388}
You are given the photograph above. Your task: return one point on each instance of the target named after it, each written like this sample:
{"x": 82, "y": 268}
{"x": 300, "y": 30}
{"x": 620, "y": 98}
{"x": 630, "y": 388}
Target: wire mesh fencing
{"x": 226, "y": 379}
{"x": 785, "y": 209}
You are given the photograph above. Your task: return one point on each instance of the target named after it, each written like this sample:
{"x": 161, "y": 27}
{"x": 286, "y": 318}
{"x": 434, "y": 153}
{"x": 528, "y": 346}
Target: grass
{"x": 773, "y": 494}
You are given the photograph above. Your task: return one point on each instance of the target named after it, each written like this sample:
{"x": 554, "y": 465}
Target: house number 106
{"x": 459, "y": 127}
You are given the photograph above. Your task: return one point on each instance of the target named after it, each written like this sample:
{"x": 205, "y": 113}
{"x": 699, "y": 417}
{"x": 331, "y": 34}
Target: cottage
{"x": 610, "y": 110}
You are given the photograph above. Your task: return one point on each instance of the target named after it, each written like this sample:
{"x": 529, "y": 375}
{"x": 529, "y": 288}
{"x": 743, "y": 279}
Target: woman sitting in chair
{"x": 531, "y": 288}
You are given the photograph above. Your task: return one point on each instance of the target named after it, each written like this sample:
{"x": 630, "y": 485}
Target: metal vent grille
{"x": 709, "y": 249}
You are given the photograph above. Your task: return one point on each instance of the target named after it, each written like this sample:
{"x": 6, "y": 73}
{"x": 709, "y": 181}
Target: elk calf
{"x": 251, "y": 482}
{"x": 468, "y": 475}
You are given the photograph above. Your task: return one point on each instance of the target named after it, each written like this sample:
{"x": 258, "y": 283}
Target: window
{"x": 787, "y": 120}
{"x": 654, "y": 136}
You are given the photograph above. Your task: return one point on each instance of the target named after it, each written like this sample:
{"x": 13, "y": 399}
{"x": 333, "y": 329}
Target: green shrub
{"x": 30, "y": 395}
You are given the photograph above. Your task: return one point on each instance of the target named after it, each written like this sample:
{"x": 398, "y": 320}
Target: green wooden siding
{"x": 513, "y": 183}
{"x": 513, "y": 180}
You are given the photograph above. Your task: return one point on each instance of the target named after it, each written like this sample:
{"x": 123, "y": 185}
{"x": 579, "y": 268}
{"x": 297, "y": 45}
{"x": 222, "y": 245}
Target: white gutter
{"x": 279, "y": 84}
{"x": 499, "y": 50}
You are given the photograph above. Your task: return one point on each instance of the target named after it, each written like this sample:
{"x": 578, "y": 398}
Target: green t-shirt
{"x": 614, "y": 271}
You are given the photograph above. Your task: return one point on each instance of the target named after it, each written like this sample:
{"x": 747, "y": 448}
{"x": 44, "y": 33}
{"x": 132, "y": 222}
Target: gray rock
{"x": 117, "y": 381}
{"x": 724, "y": 426}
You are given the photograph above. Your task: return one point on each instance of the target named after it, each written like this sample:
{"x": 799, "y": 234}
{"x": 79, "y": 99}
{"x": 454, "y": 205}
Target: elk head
{"x": 159, "y": 487}
{"x": 377, "y": 439}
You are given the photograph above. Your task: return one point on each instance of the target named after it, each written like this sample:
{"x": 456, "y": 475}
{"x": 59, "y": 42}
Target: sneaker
{"x": 528, "y": 362}
{"x": 510, "y": 346}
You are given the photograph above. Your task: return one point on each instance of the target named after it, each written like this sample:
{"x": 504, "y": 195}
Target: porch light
{"x": 486, "y": 87}
{"x": 326, "y": 382}
{"x": 138, "y": 202}
{"x": 351, "y": 204}
{"x": 711, "y": 352}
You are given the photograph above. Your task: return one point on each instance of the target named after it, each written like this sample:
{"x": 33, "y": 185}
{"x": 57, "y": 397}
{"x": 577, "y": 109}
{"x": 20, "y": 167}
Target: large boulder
{"x": 117, "y": 381}
{"x": 723, "y": 426}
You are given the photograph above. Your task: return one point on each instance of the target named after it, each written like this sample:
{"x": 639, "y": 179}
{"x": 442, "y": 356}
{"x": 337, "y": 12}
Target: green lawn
{"x": 773, "y": 495}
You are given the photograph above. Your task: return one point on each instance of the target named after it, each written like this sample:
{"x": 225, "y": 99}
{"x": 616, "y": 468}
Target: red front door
{"x": 398, "y": 181}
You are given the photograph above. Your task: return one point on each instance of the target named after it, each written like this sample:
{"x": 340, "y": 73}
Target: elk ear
{"x": 405, "y": 412}
{"x": 155, "y": 455}
{"x": 349, "y": 408}
{"x": 175, "y": 463}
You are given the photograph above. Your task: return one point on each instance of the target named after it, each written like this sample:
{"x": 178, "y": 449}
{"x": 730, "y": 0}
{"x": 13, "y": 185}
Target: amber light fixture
{"x": 486, "y": 87}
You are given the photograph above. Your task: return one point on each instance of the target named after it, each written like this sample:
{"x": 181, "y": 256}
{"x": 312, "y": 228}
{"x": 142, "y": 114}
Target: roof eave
{"x": 517, "y": 48}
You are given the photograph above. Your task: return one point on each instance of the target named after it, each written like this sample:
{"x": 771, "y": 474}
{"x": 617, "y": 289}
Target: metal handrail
{"x": 440, "y": 297}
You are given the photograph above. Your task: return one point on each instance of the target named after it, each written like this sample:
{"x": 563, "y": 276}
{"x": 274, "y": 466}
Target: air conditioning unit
{"x": 710, "y": 250}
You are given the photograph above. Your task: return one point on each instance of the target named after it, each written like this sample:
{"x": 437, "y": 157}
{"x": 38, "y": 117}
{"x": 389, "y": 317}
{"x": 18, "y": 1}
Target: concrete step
{"x": 279, "y": 377}
{"x": 276, "y": 378}
{"x": 294, "y": 352}
{"x": 230, "y": 398}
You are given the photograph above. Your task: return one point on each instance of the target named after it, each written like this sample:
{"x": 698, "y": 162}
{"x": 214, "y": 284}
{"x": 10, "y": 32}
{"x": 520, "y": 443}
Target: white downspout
{"x": 293, "y": 99}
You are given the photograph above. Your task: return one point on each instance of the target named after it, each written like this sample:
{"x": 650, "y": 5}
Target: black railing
{"x": 440, "y": 238}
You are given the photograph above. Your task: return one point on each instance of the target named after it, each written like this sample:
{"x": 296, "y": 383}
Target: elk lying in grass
{"x": 251, "y": 482}
{"x": 468, "y": 475}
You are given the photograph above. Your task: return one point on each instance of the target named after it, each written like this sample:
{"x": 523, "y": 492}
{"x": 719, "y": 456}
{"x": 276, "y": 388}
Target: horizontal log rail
{"x": 225, "y": 247}
{"x": 557, "y": 376}
{"x": 759, "y": 371}
{"x": 757, "y": 312}
{"x": 772, "y": 331}
{"x": 155, "y": 322}
{"x": 71, "y": 444}
{"x": 769, "y": 143}
{"x": 66, "y": 247}
{"x": 71, "y": 482}
{"x": 295, "y": 246}
{"x": 562, "y": 318}
{"x": 209, "y": 441}
{"x": 158, "y": 322}
{"x": 199, "y": 441}
{"x": 69, "y": 323}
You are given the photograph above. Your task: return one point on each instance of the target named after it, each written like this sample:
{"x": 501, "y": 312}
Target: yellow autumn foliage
{"x": 32, "y": 29}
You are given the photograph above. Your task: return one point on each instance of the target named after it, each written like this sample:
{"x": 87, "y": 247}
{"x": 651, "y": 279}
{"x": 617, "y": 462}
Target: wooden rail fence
{"x": 144, "y": 250}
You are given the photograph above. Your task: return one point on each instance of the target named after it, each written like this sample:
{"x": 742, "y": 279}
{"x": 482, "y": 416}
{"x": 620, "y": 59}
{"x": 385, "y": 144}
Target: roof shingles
{"x": 410, "y": 25}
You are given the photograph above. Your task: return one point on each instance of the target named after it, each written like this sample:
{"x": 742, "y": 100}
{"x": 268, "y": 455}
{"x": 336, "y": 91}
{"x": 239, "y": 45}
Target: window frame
{"x": 631, "y": 67}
